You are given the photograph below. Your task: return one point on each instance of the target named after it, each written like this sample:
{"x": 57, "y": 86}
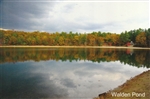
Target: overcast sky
{"x": 72, "y": 15}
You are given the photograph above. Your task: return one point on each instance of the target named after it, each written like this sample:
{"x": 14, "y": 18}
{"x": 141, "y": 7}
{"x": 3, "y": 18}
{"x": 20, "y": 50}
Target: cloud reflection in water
{"x": 51, "y": 79}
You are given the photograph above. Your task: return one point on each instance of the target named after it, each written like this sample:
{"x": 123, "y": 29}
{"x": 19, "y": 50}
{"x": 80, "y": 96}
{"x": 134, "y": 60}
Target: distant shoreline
{"x": 40, "y": 46}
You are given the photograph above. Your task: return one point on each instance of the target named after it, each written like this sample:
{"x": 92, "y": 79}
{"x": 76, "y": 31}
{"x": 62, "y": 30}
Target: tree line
{"x": 138, "y": 58}
{"x": 140, "y": 37}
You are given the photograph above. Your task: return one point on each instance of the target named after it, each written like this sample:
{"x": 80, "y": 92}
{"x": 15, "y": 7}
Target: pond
{"x": 63, "y": 73}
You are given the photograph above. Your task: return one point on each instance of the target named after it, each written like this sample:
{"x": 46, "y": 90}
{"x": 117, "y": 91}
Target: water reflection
{"x": 138, "y": 58}
{"x": 62, "y": 79}
{"x": 24, "y": 80}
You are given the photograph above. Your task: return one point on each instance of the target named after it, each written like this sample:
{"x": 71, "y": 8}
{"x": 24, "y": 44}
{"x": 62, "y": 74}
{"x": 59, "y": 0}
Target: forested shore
{"x": 137, "y": 37}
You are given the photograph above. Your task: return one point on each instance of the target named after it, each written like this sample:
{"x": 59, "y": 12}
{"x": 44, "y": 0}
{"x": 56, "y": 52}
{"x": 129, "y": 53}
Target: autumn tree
{"x": 141, "y": 39}
{"x": 115, "y": 39}
{"x": 100, "y": 40}
{"x": 91, "y": 40}
{"x": 1, "y": 37}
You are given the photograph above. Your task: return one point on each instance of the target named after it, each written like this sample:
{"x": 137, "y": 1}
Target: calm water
{"x": 67, "y": 73}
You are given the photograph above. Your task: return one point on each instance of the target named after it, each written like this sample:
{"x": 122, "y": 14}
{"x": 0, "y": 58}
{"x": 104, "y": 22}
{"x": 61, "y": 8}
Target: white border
{"x": 149, "y": 14}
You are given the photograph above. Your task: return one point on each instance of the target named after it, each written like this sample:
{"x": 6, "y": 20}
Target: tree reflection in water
{"x": 138, "y": 58}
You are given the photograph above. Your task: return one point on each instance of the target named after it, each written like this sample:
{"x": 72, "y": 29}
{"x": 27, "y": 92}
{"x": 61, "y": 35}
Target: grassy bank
{"x": 140, "y": 84}
{"x": 40, "y": 46}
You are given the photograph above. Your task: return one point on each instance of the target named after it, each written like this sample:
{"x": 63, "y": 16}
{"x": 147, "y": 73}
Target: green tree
{"x": 124, "y": 38}
{"x": 83, "y": 39}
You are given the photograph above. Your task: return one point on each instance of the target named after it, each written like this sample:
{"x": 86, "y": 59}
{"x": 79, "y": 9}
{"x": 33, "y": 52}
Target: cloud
{"x": 83, "y": 16}
{"x": 23, "y": 15}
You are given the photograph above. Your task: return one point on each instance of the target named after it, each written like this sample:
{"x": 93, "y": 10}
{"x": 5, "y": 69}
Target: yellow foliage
{"x": 141, "y": 39}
